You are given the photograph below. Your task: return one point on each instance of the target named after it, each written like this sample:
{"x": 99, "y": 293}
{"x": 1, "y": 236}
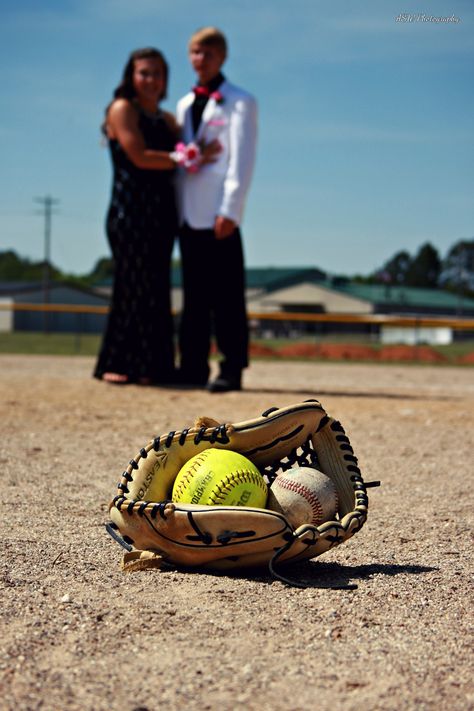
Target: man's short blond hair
{"x": 210, "y": 37}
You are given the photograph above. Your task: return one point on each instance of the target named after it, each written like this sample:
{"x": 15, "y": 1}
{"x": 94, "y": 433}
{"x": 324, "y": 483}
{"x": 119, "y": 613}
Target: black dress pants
{"x": 214, "y": 296}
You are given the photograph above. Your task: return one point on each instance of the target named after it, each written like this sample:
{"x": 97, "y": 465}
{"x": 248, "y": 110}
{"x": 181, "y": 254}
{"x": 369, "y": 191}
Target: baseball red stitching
{"x": 311, "y": 498}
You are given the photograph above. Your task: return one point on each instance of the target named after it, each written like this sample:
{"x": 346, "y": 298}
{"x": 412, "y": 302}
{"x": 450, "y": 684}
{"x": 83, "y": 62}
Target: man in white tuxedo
{"x": 211, "y": 203}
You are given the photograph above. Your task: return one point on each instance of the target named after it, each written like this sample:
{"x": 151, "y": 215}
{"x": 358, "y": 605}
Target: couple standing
{"x": 147, "y": 145}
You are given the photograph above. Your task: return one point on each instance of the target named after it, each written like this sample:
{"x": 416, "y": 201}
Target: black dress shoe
{"x": 224, "y": 384}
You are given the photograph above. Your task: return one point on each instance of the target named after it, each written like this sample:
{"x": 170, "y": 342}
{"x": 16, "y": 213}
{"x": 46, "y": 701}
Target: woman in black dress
{"x": 141, "y": 226}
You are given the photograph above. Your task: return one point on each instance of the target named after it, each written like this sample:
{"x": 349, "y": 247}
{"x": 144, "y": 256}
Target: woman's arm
{"x": 209, "y": 151}
{"x": 122, "y": 125}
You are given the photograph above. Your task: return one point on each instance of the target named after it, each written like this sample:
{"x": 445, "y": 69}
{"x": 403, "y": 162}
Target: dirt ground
{"x": 77, "y": 633}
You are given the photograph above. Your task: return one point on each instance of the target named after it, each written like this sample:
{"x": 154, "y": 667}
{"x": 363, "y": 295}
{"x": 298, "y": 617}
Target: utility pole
{"x": 47, "y": 203}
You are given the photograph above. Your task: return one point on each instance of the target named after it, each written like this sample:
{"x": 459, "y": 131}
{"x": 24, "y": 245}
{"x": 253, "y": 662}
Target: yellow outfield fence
{"x": 457, "y": 324}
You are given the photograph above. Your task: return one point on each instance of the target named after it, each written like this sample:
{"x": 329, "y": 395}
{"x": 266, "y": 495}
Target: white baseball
{"x": 304, "y": 495}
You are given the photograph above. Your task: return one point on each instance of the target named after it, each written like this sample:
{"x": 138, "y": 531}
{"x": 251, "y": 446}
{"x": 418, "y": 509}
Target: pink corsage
{"x": 188, "y": 156}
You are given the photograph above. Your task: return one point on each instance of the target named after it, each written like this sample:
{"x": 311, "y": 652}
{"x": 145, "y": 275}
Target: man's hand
{"x": 223, "y": 227}
{"x": 210, "y": 151}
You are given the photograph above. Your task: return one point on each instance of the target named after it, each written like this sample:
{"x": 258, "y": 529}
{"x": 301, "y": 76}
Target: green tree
{"x": 457, "y": 270}
{"x": 425, "y": 268}
{"x": 103, "y": 271}
{"x": 394, "y": 271}
{"x": 15, "y": 268}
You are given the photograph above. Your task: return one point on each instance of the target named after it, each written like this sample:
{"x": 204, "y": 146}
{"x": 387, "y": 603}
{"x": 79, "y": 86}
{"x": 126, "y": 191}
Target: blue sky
{"x": 365, "y": 123}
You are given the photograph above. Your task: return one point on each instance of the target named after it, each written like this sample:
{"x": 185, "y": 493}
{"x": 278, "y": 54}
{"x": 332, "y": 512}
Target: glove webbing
{"x": 304, "y": 456}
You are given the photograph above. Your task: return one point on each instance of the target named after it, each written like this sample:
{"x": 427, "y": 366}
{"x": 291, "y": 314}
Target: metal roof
{"x": 404, "y": 295}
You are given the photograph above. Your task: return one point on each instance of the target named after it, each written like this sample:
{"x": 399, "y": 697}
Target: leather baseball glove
{"x": 156, "y": 531}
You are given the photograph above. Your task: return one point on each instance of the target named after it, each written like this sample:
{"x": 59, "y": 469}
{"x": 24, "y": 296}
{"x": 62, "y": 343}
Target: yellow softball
{"x": 219, "y": 476}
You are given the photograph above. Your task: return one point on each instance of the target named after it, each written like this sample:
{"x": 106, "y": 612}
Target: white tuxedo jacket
{"x": 219, "y": 188}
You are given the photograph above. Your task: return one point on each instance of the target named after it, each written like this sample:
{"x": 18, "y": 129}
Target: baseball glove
{"x": 156, "y": 531}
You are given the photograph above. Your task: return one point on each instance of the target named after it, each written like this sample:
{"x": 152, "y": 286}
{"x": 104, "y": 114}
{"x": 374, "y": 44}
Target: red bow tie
{"x": 205, "y": 91}
{"x": 202, "y": 91}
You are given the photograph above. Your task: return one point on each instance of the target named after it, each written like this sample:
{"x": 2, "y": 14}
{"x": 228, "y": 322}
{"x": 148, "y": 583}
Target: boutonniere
{"x": 217, "y": 96}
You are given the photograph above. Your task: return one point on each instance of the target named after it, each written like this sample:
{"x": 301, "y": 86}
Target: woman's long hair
{"x": 125, "y": 89}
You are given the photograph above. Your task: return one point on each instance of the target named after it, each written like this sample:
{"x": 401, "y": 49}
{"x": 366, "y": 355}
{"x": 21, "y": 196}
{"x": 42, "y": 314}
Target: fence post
{"x": 77, "y": 340}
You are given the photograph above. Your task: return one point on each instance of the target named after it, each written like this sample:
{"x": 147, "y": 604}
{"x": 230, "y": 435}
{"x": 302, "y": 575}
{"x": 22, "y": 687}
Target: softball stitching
{"x": 188, "y": 475}
{"x": 221, "y": 490}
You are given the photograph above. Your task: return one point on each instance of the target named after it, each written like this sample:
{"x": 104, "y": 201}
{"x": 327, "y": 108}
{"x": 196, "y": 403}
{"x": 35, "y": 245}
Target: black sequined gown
{"x": 141, "y": 227}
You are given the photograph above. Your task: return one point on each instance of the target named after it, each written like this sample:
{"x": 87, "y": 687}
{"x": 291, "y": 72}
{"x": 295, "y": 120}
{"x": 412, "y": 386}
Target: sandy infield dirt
{"x": 79, "y": 634}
